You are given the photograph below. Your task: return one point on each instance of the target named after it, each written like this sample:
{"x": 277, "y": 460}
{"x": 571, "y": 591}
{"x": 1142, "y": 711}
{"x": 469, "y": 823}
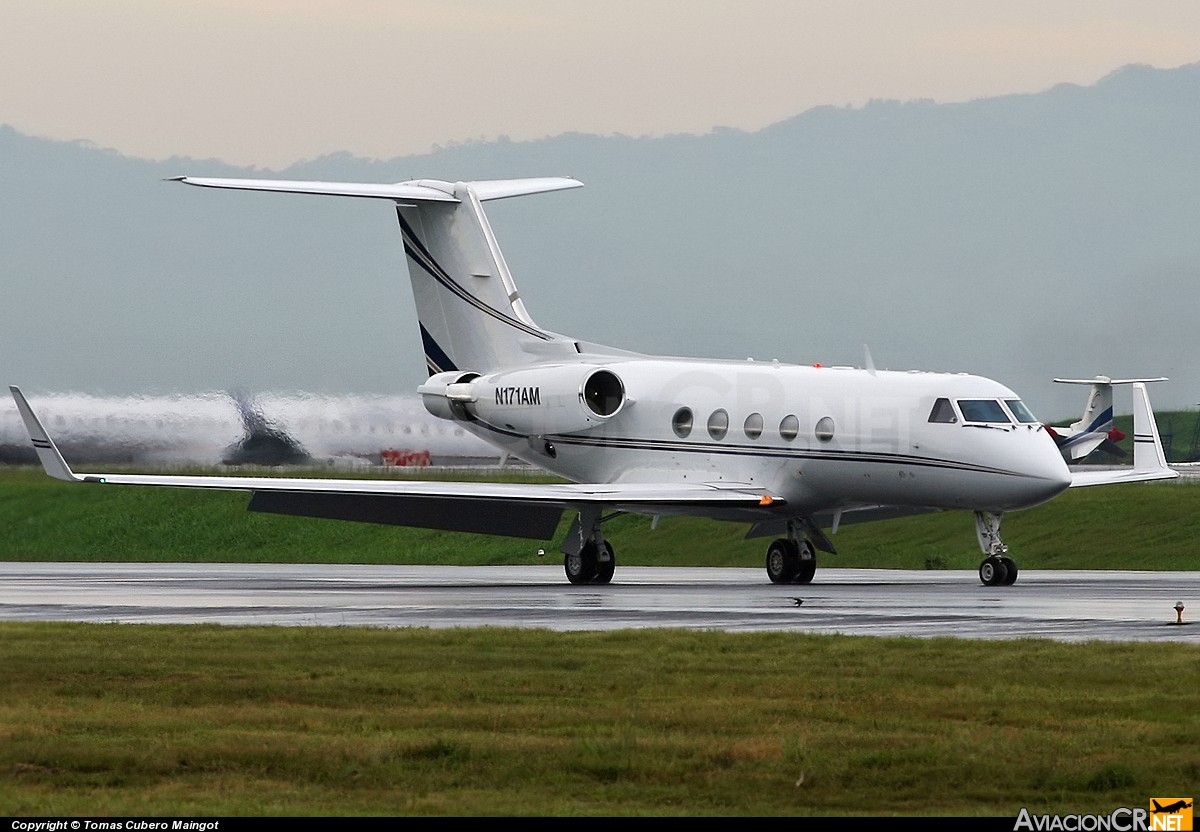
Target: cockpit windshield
{"x": 1020, "y": 411}
{"x": 983, "y": 410}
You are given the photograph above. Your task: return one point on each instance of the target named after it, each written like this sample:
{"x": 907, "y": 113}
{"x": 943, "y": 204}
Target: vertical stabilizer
{"x": 470, "y": 312}
{"x": 1098, "y": 412}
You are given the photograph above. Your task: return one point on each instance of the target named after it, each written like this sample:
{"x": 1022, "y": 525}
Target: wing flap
{"x": 510, "y": 518}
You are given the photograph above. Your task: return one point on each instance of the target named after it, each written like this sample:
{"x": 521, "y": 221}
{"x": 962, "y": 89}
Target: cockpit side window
{"x": 1020, "y": 412}
{"x": 943, "y": 411}
{"x": 983, "y": 410}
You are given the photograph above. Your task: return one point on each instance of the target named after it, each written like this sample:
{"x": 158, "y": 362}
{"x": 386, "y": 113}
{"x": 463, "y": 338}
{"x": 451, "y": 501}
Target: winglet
{"x": 1148, "y": 455}
{"x": 47, "y": 451}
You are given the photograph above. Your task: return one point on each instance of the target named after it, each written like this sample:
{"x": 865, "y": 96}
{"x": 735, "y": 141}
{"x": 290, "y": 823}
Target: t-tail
{"x": 471, "y": 315}
{"x": 1094, "y": 430}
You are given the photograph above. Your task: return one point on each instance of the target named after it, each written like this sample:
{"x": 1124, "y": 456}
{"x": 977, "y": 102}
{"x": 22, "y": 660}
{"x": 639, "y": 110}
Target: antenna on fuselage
{"x": 870, "y": 361}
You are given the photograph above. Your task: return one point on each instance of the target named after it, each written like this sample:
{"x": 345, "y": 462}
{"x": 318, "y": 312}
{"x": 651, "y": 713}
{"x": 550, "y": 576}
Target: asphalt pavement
{"x": 1073, "y": 606}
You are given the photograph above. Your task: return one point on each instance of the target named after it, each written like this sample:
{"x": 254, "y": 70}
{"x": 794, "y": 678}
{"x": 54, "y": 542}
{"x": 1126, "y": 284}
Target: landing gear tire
{"x": 587, "y": 567}
{"x": 994, "y": 572}
{"x": 783, "y": 561}
{"x": 582, "y": 567}
{"x": 1011, "y": 566}
{"x": 997, "y": 569}
{"x": 605, "y": 566}
{"x": 807, "y": 564}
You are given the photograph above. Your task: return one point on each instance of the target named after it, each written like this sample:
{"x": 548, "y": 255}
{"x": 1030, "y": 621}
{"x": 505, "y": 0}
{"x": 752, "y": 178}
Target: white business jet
{"x": 1094, "y": 430}
{"x": 790, "y": 450}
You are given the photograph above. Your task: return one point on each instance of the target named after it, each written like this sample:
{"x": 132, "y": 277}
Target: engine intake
{"x": 603, "y": 393}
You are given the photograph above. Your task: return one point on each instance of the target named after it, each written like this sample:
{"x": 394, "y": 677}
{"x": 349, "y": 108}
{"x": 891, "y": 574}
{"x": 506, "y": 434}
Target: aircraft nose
{"x": 1048, "y": 473}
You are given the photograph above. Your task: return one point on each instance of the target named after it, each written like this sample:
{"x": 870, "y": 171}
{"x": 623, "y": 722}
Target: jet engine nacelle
{"x": 446, "y": 394}
{"x": 534, "y": 400}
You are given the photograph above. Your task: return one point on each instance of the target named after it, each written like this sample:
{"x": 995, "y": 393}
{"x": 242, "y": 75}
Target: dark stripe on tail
{"x": 414, "y": 249}
{"x": 435, "y": 357}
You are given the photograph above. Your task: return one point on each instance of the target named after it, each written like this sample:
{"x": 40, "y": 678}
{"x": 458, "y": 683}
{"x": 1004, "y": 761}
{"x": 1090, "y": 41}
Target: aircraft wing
{"x": 1149, "y": 460}
{"x": 1112, "y": 476}
{"x": 516, "y": 509}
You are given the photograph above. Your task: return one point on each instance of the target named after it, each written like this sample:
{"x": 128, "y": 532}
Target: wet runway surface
{"x": 1060, "y": 605}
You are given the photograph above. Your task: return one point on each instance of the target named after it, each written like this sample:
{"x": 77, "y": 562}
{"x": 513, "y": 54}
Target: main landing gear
{"x": 791, "y": 562}
{"x": 791, "y": 559}
{"x": 595, "y": 563}
{"x": 997, "y": 569}
{"x": 587, "y": 557}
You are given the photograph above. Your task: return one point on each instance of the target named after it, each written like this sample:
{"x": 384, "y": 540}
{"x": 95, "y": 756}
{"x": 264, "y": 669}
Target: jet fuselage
{"x": 823, "y": 437}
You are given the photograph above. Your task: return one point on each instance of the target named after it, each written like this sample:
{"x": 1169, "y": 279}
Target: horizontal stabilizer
{"x": 406, "y": 191}
{"x": 413, "y": 191}
{"x": 1086, "y": 444}
{"x": 1107, "y": 380}
{"x": 504, "y": 188}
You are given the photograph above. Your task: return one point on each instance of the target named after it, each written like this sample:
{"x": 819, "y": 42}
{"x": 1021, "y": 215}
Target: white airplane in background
{"x": 788, "y": 449}
{"x": 159, "y": 430}
{"x": 271, "y": 429}
{"x": 1094, "y": 430}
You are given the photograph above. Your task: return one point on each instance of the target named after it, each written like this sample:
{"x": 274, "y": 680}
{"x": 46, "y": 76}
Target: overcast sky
{"x": 271, "y": 82}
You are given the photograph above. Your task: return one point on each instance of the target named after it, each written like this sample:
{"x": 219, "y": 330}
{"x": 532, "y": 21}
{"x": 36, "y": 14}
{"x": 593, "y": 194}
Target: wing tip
{"x": 48, "y": 454}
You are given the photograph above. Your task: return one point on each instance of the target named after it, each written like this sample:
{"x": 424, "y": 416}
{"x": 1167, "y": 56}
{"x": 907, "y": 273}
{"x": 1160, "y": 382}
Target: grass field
{"x": 1135, "y": 526}
{"x": 137, "y": 720}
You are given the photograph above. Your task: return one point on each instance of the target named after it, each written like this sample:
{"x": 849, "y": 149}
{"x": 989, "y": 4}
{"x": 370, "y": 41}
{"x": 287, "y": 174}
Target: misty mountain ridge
{"x": 1020, "y": 237}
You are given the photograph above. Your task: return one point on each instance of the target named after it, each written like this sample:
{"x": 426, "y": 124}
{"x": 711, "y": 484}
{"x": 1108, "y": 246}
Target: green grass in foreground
{"x": 203, "y": 720}
{"x": 1135, "y": 526}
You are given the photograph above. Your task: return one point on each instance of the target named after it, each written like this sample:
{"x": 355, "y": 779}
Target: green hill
{"x": 1180, "y": 432}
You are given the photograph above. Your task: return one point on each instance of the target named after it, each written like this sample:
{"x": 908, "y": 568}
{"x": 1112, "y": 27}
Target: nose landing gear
{"x": 997, "y": 569}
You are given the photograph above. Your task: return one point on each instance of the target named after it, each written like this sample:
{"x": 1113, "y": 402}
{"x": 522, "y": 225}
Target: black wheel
{"x": 993, "y": 572}
{"x": 581, "y": 568}
{"x": 783, "y": 561}
{"x": 807, "y": 563}
{"x": 1011, "y": 566}
{"x": 605, "y": 566}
